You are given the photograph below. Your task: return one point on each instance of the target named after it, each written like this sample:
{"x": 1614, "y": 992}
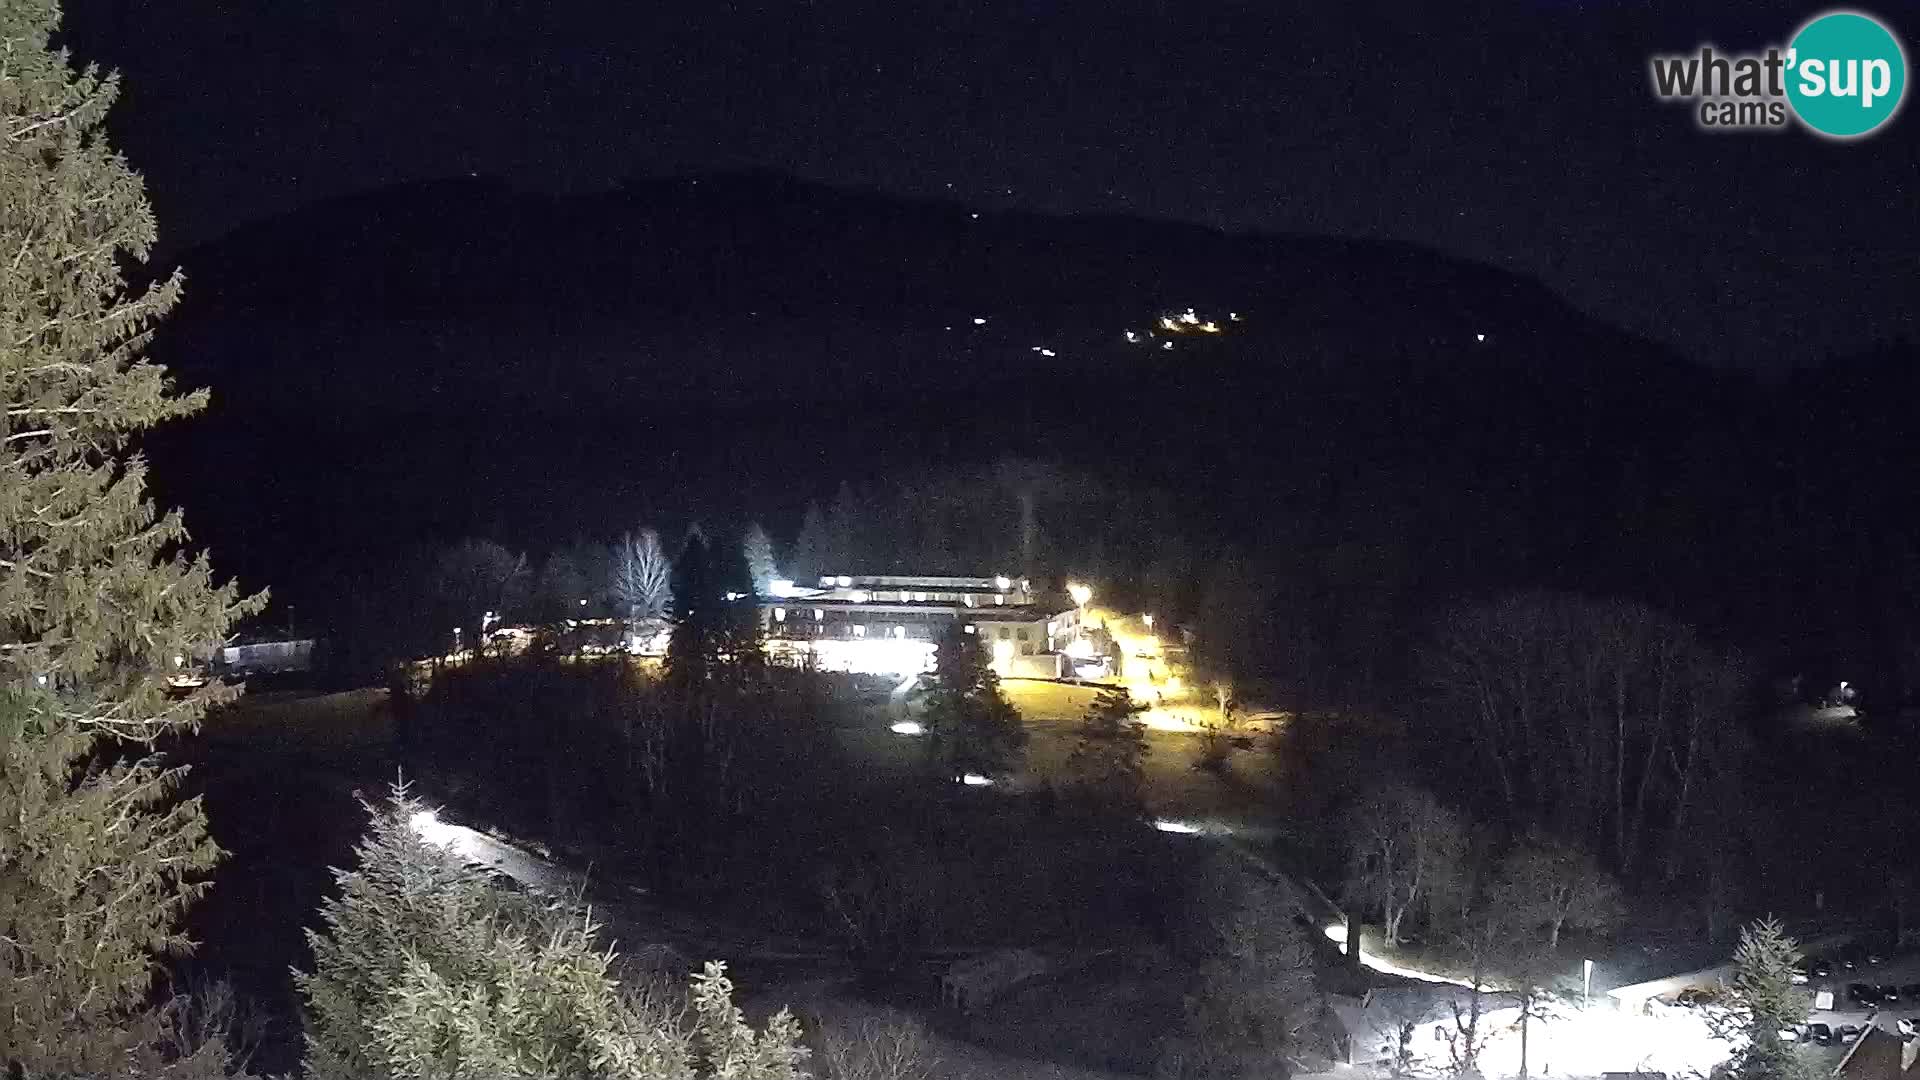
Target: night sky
{"x": 1519, "y": 134}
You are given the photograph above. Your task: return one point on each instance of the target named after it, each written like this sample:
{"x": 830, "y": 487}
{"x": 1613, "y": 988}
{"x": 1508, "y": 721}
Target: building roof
{"x": 987, "y": 599}
{"x": 989, "y": 613}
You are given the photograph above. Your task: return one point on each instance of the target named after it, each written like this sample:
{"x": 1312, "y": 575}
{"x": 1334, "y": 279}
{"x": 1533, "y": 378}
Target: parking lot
{"x": 1901, "y": 972}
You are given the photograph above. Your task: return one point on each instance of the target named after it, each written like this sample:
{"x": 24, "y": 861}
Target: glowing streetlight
{"x": 1080, "y": 593}
{"x": 1149, "y": 620}
{"x": 1586, "y": 983}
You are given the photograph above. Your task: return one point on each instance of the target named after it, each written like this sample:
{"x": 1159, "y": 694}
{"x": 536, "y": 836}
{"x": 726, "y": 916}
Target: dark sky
{"x": 1518, "y": 133}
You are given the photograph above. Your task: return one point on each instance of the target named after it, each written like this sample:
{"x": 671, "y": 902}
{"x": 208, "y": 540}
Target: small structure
{"x": 978, "y": 981}
{"x": 267, "y": 657}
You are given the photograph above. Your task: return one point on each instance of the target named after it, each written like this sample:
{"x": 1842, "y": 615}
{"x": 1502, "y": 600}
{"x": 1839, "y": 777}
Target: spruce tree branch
{"x": 57, "y": 118}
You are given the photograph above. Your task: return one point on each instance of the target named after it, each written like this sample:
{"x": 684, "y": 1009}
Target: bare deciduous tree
{"x": 642, "y": 577}
{"x": 1603, "y": 720}
{"x": 873, "y": 1048}
{"x": 1403, "y": 847}
{"x": 474, "y": 578}
{"x": 1553, "y": 885}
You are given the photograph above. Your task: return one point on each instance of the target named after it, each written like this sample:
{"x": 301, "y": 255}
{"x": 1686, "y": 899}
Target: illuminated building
{"x": 889, "y": 624}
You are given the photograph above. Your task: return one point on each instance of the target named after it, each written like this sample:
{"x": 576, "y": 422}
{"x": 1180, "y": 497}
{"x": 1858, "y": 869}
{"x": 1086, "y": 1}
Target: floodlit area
{"x": 1677, "y": 1042}
{"x": 1566, "y": 1038}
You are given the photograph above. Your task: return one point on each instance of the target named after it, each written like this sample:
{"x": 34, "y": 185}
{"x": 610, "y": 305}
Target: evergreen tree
{"x": 694, "y": 648}
{"x": 425, "y": 969}
{"x": 810, "y": 548}
{"x": 99, "y": 603}
{"x": 1764, "y": 1003}
{"x": 1253, "y": 1002}
{"x": 1108, "y": 763}
{"x": 970, "y": 725}
{"x": 716, "y": 618}
{"x": 565, "y": 579}
{"x": 757, "y": 548}
{"x": 740, "y": 638}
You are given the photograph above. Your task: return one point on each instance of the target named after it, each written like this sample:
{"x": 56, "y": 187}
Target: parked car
{"x": 1850, "y": 956}
{"x": 1908, "y": 1027}
{"x": 1821, "y": 967}
{"x": 1849, "y": 1033}
{"x": 1889, "y": 995}
{"x": 1863, "y": 995}
{"x": 1821, "y": 1033}
{"x": 1910, "y": 991}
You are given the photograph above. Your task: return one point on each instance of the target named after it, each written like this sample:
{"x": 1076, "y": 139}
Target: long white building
{"x": 889, "y": 624}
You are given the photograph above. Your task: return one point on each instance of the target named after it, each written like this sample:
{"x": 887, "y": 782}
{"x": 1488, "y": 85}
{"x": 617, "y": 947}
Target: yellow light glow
{"x": 1081, "y": 594}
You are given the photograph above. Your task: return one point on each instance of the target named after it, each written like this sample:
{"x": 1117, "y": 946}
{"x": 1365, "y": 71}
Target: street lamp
{"x": 1586, "y": 984}
{"x": 1081, "y": 594}
{"x": 1149, "y": 618}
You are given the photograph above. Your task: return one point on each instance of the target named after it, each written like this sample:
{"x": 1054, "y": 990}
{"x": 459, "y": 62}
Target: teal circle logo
{"x": 1846, "y": 74}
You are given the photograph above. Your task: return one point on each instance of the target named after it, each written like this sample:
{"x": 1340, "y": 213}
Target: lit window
{"x": 899, "y": 631}
{"x": 859, "y": 631}
{"x": 1002, "y": 583}
{"x": 857, "y": 596}
{"x": 919, "y": 598}
{"x": 779, "y": 614}
{"x": 999, "y": 598}
{"x": 818, "y": 614}
{"x": 969, "y": 599}
{"x": 971, "y": 628}
{"x": 845, "y": 581}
